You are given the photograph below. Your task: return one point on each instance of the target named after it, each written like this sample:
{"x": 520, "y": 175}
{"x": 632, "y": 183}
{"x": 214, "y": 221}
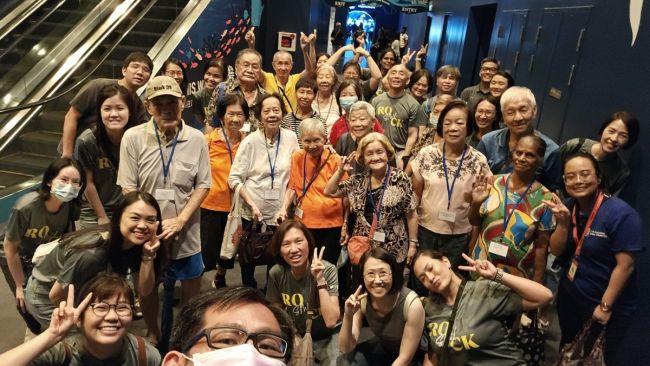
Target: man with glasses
{"x": 473, "y": 94}
{"x": 231, "y": 326}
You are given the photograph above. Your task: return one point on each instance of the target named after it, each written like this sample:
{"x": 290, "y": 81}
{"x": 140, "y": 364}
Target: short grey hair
{"x": 361, "y": 105}
{"x": 516, "y": 93}
{"x": 312, "y": 125}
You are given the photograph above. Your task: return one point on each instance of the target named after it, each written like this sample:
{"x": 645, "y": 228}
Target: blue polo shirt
{"x": 616, "y": 228}
{"x": 494, "y": 146}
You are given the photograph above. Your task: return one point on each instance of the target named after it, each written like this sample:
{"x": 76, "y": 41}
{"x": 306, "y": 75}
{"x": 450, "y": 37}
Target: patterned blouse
{"x": 398, "y": 199}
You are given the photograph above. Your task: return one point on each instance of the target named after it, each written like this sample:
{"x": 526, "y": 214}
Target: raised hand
{"x": 480, "y": 189}
{"x": 66, "y": 315}
{"x": 304, "y": 40}
{"x": 353, "y": 303}
{"x": 347, "y": 47}
{"x": 559, "y": 210}
{"x": 312, "y": 37}
{"x": 483, "y": 267}
{"x": 407, "y": 56}
{"x": 152, "y": 246}
{"x": 250, "y": 37}
{"x": 346, "y": 164}
{"x": 317, "y": 266}
{"x": 361, "y": 51}
{"x": 422, "y": 52}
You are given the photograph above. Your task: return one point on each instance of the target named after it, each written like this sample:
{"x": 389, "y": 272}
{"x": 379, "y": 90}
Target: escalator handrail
{"x": 20, "y": 13}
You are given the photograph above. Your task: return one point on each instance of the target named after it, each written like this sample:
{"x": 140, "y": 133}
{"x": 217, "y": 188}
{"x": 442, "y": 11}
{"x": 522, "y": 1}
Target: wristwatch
{"x": 604, "y": 307}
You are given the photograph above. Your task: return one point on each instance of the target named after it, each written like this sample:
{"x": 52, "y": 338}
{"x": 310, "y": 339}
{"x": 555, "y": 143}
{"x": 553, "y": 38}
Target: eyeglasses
{"x": 573, "y": 177}
{"x": 101, "y": 309}
{"x": 270, "y": 345}
{"x": 246, "y": 65}
{"x": 489, "y": 69}
{"x": 383, "y": 276}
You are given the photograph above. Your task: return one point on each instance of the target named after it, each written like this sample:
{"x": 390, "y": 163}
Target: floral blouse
{"x": 398, "y": 199}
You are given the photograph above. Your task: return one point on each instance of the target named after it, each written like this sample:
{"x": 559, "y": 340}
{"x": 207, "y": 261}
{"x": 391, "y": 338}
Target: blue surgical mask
{"x": 347, "y": 102}
{"x": 65, "y": 192}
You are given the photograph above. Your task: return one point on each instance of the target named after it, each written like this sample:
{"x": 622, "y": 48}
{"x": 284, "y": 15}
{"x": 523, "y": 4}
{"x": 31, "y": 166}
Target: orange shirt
{"x": 319, "y": 211}
{"x": 219, "y": 197}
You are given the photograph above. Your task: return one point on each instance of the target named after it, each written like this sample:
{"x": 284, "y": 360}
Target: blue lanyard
{"x": 162, "y": 157}
{"x": 225, "y": 137}
{"x": 450, "y": 190}
{"x": 506, "y": 216}
{"x": 377, "y": 209}
{"x": 275, "y": 159}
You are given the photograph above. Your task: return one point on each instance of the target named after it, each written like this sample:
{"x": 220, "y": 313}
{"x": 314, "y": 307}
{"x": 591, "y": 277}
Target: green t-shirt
{"x": 480, "y": 332}
{"x": 284, "y": 289}
{"x": 94, "y": 159}
{"x": 32, "y": 225}
{"x": 76, "y": 354}
{"x": 397, "y": 115}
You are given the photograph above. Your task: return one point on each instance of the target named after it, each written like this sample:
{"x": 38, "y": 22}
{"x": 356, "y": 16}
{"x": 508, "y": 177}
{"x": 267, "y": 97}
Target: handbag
{"x": 233, "y": 232}
{"x": 254, "y": 247}
{"x": 530, "y": 339}
{"x": 303, "y": 352}
{"x": 358, "y": 245}
{"x": 574, "y": 353}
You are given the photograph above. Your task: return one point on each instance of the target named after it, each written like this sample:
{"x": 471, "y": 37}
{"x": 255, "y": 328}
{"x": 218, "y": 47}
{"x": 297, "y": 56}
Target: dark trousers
{"x": 213, "y": 225}
{"x": 574, "y": 311}
{"x": 330, "y": 239}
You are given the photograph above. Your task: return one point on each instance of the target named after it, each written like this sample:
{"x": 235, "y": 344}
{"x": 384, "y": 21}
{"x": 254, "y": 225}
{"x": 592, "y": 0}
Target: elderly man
{"x": 399, "y": 113}
{"x": 473, "y": 94}
{"x": 231, "y": 326}
{"x": 168, "y": 159}
{"x": 519, "y": 110}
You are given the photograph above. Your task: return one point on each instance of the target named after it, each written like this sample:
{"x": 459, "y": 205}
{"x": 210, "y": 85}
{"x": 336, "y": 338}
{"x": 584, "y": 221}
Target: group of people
{"x": 410, "y": 225}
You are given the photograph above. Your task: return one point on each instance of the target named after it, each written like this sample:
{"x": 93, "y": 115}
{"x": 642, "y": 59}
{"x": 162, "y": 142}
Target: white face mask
{"x": 243, "y": 354}
{"x": 65, "y": 192}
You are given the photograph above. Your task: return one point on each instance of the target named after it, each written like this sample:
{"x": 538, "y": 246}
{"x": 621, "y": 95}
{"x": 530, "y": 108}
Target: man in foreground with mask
{"x": 230, "y": 326}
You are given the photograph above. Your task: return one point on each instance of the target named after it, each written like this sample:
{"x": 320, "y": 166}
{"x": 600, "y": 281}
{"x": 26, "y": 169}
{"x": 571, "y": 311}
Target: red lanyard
{"x": 592, "y": 216}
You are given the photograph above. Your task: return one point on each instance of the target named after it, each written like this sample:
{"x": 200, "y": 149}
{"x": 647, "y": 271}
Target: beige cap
{"x": 162, "y": 85}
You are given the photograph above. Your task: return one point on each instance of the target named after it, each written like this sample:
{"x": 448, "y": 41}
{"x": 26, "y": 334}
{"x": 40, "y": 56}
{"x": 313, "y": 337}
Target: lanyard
{"x": 377, "y": 209}
{"x": 225, "y": 137}
{"x": 317, "y": 168}
{"x": 275, "y": 159}
{"x": 450, "y": 190}
{"x": 590, "y": 220}
{"x": 171, "y": 155}
{"x": 506, "y": 216}
{"x": 283, "y": 93}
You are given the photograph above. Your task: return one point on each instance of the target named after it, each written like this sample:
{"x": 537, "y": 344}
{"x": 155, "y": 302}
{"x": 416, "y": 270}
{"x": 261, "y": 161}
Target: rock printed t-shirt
{"x": 293, "y": 294}
{"x": 93, "y": 158}
{"x": 480, "y": 331}
{"x": 32, "y": 225}
{"x": 397, "y": 115}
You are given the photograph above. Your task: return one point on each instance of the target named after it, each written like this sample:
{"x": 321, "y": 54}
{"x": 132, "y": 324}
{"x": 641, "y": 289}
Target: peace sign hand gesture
{"x": 407, "y": 56}
{"x": 422, "y": 52}
{"x": 558, "y": 209}
{"x": 483, "y": 267}
{"x": 480, "y": 189}
{"x": 346, "y": 164}
{"x": 317, "y": 266}
{"x": 152, "y": 246}
{"x": 353, "y": 303}
{"x": 66, "y": 315}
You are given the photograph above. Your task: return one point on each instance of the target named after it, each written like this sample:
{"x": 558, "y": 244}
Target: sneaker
{"x": 137, "y": 309}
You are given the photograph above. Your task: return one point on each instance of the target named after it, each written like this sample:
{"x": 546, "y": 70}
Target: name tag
{"x": 272, "y": 194}
{"x": 246, "y": 128}
{"x": 299, "y": 212}
{"x": 379, "y": 236}
{"x": 448, "y": 216}
{"x": 499, "y": 249}
{"x": 571, "y": 274}
{"x": 164, "y": 194}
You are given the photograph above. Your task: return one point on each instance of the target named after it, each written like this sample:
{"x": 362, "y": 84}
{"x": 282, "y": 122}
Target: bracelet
{"x": 415, "y": 242}
{"x": 148, "y": 258}
{"x": 604, "y": 307}
{"x": 498, "y": 277}
{"x": 418, "y": 59}
{"x": 322, "y": 287}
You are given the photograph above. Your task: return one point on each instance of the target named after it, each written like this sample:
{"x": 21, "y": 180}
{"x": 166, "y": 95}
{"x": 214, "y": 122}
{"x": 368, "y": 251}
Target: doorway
{"x": 477, "y": 42}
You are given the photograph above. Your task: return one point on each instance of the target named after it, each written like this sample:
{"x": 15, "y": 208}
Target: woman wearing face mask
{"x": 473, "y": 312}
{"x": 40, "y": 217}
{"x": 500, "y": 82}
{"x": 262, "y": 166}
{"x": 381, "y": 195}
{"x": 443, "y": 175}
{"x": 393, "y": 312}
{"x": 619, "y": 131}
{"x": 102, "y": 317}
{"x": 348, "y": 93}
{"x": 130, "y": 242}
{"x": 486, "y": 119}
{"x": 325, "y": 103}
{"x": 515, "y": 225}
{"x": 311, "y": 168}
{"x": 597, "y": 240}
{"x": 98, "y": 153}
{"x": 303, "y": 281}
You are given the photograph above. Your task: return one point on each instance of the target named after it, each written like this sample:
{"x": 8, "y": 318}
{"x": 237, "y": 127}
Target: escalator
{"x": 33, "y": 148}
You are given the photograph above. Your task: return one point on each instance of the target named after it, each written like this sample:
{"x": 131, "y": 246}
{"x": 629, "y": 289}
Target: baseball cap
{"x": 162, "y": 85}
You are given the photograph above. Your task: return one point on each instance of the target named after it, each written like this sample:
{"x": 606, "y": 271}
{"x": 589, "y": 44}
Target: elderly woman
{"x": 361, "y": 121}
{"x": 443, "y": 176}
{"x": 264, "y": 181}
{"x": 420, "y": 85}
{"x": 325, "y": 103}
{"x": 597, "y": 240}
{"x": 223, "y": 144}
{"x": 619, "y": 131}
{"x": 311, "y": 168}
{"x": 473, "y": 312}
{"x": 302, "y": 282}
{"x": 393, "y": 312}
{"x": 381, "y": 199}
{"x": 514, "y": 222}
{"x": 348, "y": 93}
{"x": 487, "y": 116}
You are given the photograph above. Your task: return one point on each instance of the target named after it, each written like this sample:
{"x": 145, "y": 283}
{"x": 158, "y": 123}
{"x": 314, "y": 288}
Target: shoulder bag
{"x": 233, "y": 231}
{"x": 255, "y": 247}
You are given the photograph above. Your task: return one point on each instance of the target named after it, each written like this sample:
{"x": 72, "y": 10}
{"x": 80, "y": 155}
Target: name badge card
{"x": 246, "y": 128}
{"x": 379, "y": 236}
{"x": 499, "y": 249}
{"x": 164, "y": 194}
{"x": 571, "y": 274}
{"x": 299, "y": 212}
{"x": 272, "y": 194}
{"x": 448, "y": 216}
